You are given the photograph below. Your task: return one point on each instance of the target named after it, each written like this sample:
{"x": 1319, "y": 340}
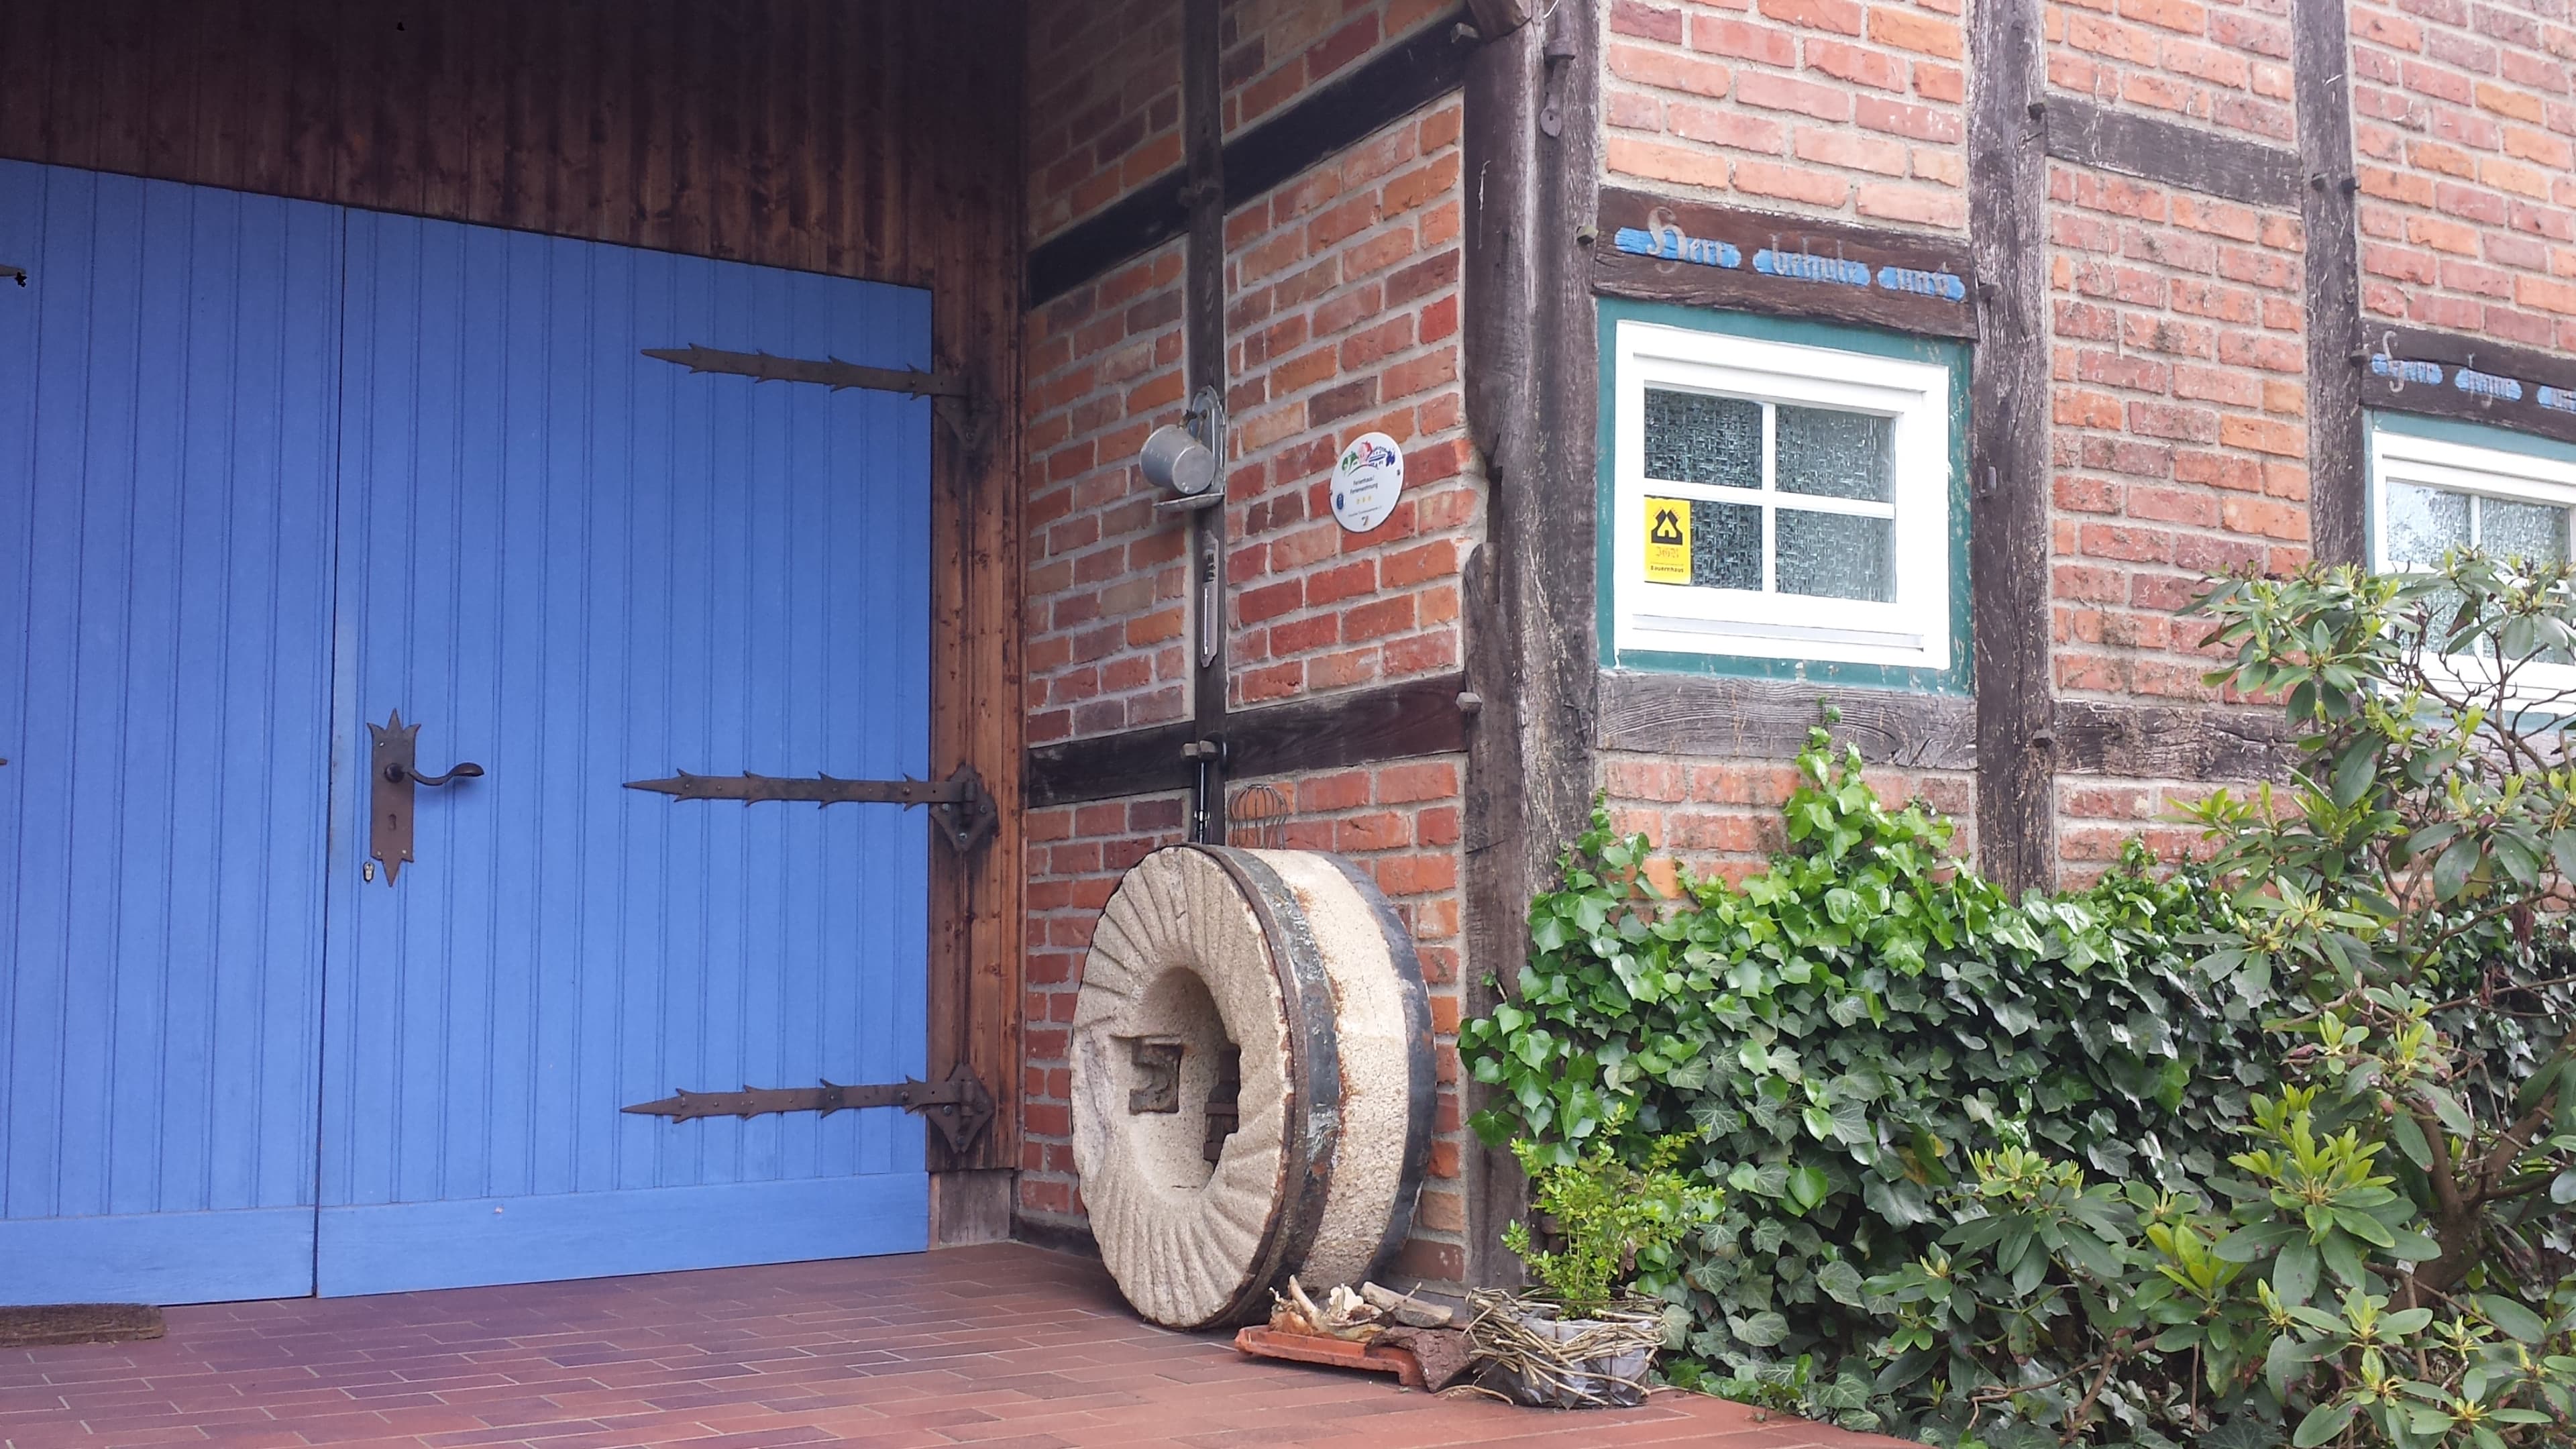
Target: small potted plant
{"x": 1582, "y": 1338}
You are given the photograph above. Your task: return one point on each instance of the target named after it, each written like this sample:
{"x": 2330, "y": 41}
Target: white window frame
{"x": 1912, "y": 631}
{"x": 2500, "y": 473}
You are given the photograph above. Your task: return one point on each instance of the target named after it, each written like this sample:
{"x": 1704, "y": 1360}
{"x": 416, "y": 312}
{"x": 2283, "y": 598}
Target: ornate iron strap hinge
{"x": 960, "y": 805}
{"x": 829, "y": 372}
{"x": 959, "y": 1107}
{"x": 955, "y": 400}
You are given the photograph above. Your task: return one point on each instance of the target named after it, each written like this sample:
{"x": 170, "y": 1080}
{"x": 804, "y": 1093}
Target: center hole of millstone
{"x": 1183, "y": 1076}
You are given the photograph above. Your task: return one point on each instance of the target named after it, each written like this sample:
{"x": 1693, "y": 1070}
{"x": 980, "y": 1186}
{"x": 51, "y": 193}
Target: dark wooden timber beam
{"x": 1203, "y": 364}
{"x": 1391, "y": 722}
{"x": 2321, "y": 54}
{"x": 2472, "y": 379}
{"x": 2008, "y": 448}
{"x": 1768, "y": 719}
{"x": 2171, "y": 154}
{"x": 1393, "y": 84}
{"x": 1701, "y": 716}
{"x": 2173, "y": 742}
{"x": 1665, "y": 249}
{"x": 1532, "y": 158}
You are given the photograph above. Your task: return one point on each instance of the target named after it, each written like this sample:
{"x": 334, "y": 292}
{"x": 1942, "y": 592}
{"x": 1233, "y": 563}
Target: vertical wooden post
{"x": 2321, "y": 57}
{"x": 2008, "y": 551}
{"x": 1532, "y": 156}
{"x": 961, "y": 181}
{"x": 1203, "y": 336}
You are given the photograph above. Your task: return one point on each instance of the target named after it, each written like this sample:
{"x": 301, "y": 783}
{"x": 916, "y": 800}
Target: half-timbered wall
{"x": 1340, "y": 297}
{"x": 876, "y": 141}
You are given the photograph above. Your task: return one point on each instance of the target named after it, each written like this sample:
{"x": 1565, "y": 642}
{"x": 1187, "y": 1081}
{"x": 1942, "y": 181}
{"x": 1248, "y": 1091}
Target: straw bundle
{"x": 1526, "y": 1354}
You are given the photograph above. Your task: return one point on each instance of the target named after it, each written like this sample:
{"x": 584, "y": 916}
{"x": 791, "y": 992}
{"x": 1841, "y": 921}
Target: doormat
{"x": 78, "y": 1323}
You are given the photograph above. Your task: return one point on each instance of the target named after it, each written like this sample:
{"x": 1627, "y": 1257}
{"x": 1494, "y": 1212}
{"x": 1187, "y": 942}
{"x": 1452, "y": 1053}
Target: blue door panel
{"x": 578, "y": 566}
{"x": 398, "y": 1247}
{"x": 167, "y": 403}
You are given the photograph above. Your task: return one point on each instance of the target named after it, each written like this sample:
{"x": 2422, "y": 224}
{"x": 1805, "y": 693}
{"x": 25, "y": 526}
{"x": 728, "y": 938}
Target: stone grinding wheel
{"x": 1284, "y": 977}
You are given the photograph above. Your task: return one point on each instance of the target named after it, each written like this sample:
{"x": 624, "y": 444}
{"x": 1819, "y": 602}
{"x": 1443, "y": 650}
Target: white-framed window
{"x": 2429, "y": 495}
{"x": 1779, "y": 501}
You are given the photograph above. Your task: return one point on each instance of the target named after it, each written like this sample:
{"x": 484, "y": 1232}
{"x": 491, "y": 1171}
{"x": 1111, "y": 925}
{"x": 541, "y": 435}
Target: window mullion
{"x": 1770, "y": 493}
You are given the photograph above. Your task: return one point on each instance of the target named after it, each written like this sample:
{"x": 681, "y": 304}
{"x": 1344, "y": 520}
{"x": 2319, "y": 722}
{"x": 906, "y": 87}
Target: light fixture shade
{"x": 1173, "y": 459}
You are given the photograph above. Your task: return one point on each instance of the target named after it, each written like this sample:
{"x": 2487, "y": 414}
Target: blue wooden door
{"x": 577, "y": 566}
{"x": 167, "y": 403}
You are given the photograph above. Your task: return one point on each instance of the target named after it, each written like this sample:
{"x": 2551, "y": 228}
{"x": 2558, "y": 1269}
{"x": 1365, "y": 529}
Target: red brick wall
{"x": 2178, "y": 437}
{"x": 1075, "y": 855}
{"x": 2463, "y": 125}
{"x": 1343, "y": 291}
{"x": 1104, "y": 105}
{"x": 1835, "y": 107}
{"x": 1343, "y": 319}
{"x": 1108, "y": 579}
{"x": 2220, "y": 63}
{"x": 1274, "y": 51}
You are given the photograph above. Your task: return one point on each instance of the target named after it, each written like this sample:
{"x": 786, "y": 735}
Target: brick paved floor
{"x": 1006, "y": 1347}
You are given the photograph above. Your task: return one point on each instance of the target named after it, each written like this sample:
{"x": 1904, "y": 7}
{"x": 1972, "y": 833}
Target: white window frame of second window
{"x": 2401, "y": 454}
{"x": 1910, "y": 631}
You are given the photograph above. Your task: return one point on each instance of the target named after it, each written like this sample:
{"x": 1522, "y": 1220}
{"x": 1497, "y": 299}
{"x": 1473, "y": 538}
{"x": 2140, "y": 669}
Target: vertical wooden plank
{"x": 573, "y": 163}
{"x": 1500, "y": 137}
{"x": 959, "y": 161}
{"x": 722, "y": 129}
{"x": 300, "y": 156}
{"x": 1203, "y": 334}
{"x": 525, "y": 68}
{"x": 611, "y": 48}
{"x": 172, "y": 113}
{"x": 445, "y": 121}
{"x": 2321, "y": 55}
{"x": 684, "y": 87}
{"x": 223, "y": 93}
{"x": 2008, "y": 449}
{"x": 483, "y": 59}
{"x": 650, "y": 117}
{"x": 26, "y": 84}
{"x": 73, "y": 99}
{"x": 121, "y": 80}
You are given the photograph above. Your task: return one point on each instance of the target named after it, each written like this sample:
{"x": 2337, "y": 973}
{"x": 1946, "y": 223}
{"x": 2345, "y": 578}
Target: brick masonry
{"x": 2178, "y": 435}
{"x": 1831, "y": 107}
{"x": 1343, "y": 316}
{"x": 2465, "y": 129}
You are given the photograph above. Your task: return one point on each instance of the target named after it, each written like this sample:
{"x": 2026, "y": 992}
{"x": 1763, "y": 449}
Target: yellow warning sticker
{"x": 1668, "y": 554}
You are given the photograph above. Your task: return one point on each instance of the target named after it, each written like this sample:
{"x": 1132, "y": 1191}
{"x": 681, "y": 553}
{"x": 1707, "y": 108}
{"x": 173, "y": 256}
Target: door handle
{"x": 389, "y": 832}
{"x": 396, "y": 774}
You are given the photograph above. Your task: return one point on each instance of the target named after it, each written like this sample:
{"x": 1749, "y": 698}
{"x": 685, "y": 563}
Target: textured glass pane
{"x": 1836, "y": 555}
{"x": 1726, "y": 546}
{"x": 1695, "y": 439}
{"x": 2422, "y": 522}
{"x": 1836, "y": 455}
{"x": 2534, "y": 531}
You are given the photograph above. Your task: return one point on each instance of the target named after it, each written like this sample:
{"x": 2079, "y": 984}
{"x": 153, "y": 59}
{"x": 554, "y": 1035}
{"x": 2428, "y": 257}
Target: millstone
{"x": 1252, "y": 1080}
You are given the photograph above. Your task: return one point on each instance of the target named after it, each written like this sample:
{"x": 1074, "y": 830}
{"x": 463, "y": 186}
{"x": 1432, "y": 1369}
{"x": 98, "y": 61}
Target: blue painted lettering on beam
{"x": 2487, "y": 384}
{"x": 1808, "y": 267}
{"x": 2403, "y": 369}
{"x": 2557, "y": 398}
{"x": 1672, "y": 245}
{"x": 1943, "y": 285}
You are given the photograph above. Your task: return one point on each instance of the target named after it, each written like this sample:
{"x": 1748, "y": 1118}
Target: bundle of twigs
{"x": 1526, "y": 1354}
